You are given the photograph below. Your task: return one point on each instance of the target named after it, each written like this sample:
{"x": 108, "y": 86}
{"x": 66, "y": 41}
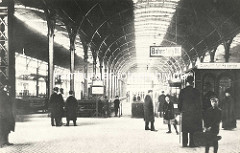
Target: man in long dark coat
{"x": 161, "y": 101}
{"x": 148, "y": 111}
{"x": 228, "y": 113}
{"x": 7, "y": 121}
{"x": 191, "y": 109}
{"x": 71, "y": 109}
{"x": 61, "y": 104}
{"x": 54, "y": 108}
{"x": 116, "y": 103}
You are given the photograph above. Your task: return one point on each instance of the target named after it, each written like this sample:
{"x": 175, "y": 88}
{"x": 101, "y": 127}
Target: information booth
{"x": 217, "y": 77}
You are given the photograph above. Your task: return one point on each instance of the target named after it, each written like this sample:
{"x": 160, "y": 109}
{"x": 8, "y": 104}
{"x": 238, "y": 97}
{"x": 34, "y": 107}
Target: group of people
{"x": 166, "y": 110}
{"x": 57, "y": 104}
{"x": 193, "y": 112}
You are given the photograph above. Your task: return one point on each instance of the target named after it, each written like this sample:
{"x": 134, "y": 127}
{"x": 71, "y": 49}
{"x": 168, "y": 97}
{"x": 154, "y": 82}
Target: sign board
{"x": 158, "y": 51}
{"x": 218, "y": 65}
{"x": 97, "y": 90}
{"x": 97, "y": 83}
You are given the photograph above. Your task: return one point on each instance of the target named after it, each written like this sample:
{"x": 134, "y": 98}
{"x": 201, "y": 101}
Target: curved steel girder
{"x": 126, "y": 66}
{"x": 124, "y": 62}
{"x": 122, "y": 59}
{"x": 127, "y": 42}
{"x": 119, "y": 53}
{"x": 113, "y": 57}
{"x": 114, "y": 43}
{"x": 129, "y": 64}
{"x": 119, "y": 13}
{"x": 85, "y": 16}
{"x": 176, "y": 63}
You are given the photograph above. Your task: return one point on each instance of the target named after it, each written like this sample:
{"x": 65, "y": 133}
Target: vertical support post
{"x": 212, "y": 54}
{"x": 227, "y": 50}
{"x": 37, "y": 80}
{"x": 85, "y": 76}
{"x": 101, "y": 73}
{"x": 50, "y": 15}
{"x": 109, "y": 83}
{"x": 72, "y": 32}
{"x": 114, "y": 85}
{"x": 7, "y": 53}
{"x": 106, "y": 80}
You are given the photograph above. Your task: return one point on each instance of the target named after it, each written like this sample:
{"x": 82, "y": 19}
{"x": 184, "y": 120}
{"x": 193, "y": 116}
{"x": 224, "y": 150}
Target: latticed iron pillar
{"x": 7, "y": 55}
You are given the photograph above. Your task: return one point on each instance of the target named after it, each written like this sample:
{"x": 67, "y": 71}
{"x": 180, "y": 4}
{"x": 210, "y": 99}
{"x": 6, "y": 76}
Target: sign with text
{"x": 218, "y": 65}
{"x": 97, "y": 90}
{"x": 158, "y": 51}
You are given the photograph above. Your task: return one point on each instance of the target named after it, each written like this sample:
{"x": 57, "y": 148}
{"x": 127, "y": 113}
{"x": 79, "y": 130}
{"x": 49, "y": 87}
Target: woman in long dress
{"x": 228, "y": 113}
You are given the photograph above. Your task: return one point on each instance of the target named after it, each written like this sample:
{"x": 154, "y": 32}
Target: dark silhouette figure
{"x": 148, "y": 111}
{"x": 212, "y": 119}
{"x": 116, "y": 105}
{"x": 191, "y": 109}
{"x": 7, "y": 121}
{"x": 55, "y": 109}
{"x": 61, "y": 105}
{"x": 228, "y": 113}
{"x": 168, "y": 114}
{"x": 161, "y": 101}
{"x": 71, "y": 109}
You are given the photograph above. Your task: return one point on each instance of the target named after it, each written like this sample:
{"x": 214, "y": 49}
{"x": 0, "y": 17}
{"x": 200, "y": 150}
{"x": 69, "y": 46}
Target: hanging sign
{"x": 158, "y": 51}
{"x": 97, "y": 90}
{"x": 218, "y": 65}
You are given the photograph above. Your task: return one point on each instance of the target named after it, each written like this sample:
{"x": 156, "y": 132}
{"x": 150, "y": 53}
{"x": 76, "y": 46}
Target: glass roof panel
{"x": 152, "y": 19}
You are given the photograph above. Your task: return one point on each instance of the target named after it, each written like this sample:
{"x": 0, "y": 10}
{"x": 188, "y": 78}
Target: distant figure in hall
{"x": 106, "y": 112}
{"x": 148, "y": 111}
{"x": 116, "y": 105}
{"x": 61, "y": 104}
{"x": 206, "y": 98}
{"x": 54, "y": 107}
{"x": 161, "y": 101}
{"x": 168, "y": 114}
{"x": 71, "y": 109}
{"x": 7, "y": 121}
{"x": 212, "y": 119}
{"x": 228, "y": 113}
{"x": 134, "y": 98}
{"x": 139, "y": 99}
{"x": 190, "y": 107}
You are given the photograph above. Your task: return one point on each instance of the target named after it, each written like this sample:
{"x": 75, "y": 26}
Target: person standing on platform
{"x": 61, "y": 105}
{"x": 212, "y": 119}
{"x": 148, "y": 111}
{"x": 53, "y": 106}
{"x": 168, "y": 114}
{"x": 228, "y": 113}
{"x": 106, "y": 107}
{"x": 7, "y": 121}
{"x": 161, "y": 101}
{"x": 71, "y": 109}
{"x": 116, "y": 105}
{"x": 191, "y": 109}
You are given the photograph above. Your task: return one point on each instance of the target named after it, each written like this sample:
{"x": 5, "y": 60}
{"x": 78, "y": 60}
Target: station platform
{"x": 104, "y": 135}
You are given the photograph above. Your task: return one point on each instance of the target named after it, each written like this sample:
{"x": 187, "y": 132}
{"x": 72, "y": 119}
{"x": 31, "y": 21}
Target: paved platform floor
{"x": 105, "y": 135}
